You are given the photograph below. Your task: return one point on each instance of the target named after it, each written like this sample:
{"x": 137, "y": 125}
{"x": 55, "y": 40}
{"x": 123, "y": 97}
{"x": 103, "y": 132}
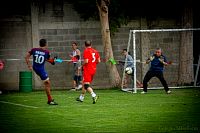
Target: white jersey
{"x": 74, "y": 53}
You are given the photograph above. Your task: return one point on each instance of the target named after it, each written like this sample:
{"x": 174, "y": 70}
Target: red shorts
{"x": 88, "y": 77}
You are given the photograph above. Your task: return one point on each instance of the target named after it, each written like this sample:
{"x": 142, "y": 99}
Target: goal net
{"x": 176, "y": 45}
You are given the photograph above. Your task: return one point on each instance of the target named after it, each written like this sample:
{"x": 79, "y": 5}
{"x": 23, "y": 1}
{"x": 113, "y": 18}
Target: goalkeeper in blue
{"x": 40, "y": 56}
{"x": 157, "y": 62}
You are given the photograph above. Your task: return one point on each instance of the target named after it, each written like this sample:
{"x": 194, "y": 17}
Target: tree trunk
{"x": 186, "y": 74}
{"x": 112, "y": 69}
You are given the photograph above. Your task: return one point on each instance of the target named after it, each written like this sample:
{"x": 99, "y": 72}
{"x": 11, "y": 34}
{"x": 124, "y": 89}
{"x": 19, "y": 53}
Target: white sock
{"x": 93, "y": 94}
{"x": 81, "y": 97}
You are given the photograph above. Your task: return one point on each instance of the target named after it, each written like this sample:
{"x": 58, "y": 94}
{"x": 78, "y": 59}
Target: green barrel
{"x": 25, "y": 81}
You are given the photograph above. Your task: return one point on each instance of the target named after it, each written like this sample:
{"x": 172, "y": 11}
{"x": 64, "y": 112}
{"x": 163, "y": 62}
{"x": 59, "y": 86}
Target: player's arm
{"x": 86, "y": 57}
{"x": 85, "y": 61}
{"x": 78, "y": 52}
{"x": 98, "y": 59}
{"x": 27, "y": 59}
{"x": 164, "y": 61}
{"x": 149, "y": 59}
{"x": 51, "y": 60}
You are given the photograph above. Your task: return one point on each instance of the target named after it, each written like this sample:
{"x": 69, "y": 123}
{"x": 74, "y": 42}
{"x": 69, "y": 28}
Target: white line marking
{"x": 16, "y": 104}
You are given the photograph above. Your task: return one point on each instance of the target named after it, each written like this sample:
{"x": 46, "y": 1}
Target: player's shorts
{"x": 42, "y": 73}
{"x": 87, "y": 76}
{"x": 77, "y": 78}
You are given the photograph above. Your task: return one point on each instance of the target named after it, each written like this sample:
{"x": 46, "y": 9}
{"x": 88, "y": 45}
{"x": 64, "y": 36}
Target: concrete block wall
{"x": 61, "y": 27}
{"x": 14, "y": 42}
{"x": 60, "y": 33}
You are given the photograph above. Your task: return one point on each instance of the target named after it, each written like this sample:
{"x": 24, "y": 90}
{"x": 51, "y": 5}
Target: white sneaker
{"x": 73, "y": 89}
{"x": 79, "y": 87}
{"x": 143, "y": 92}
{"x": 168, "y": 92}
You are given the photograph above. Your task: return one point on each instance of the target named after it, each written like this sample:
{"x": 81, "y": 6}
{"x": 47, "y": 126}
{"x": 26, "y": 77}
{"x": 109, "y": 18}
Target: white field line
{"x": 16, "y": 104}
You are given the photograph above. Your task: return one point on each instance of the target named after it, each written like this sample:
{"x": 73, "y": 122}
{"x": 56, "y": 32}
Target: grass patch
{"x": 115, "y": 111}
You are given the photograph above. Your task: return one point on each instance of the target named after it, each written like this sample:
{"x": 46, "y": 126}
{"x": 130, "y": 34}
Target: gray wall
{"x": 18, "y": 34}
{"x": 15, "y": 39}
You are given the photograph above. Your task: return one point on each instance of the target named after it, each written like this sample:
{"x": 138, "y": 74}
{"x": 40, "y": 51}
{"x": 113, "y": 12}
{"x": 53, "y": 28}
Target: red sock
{"x": 49, "y": 97}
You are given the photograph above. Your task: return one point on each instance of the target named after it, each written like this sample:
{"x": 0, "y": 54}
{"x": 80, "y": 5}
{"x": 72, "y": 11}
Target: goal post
{"x": 132, "y": 47}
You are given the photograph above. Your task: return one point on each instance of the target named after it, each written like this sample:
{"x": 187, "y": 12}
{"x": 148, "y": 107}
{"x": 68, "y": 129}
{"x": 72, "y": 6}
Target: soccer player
{"x": 129, "y": 59}
{"x": 78, "y": 73}
{"x": 91, "y": 59}
{"x": 75, "y": 51}
{"x": 158, "y": 61}
{"x": 40, "y": 55}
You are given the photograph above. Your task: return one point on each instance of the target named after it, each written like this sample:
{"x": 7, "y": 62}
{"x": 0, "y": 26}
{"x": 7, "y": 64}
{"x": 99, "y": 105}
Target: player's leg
{"x": 89, "y": 88}
{"x": 75, "y": 86}
{"x": 87, "y": 79}
{"x": 125, "y": 82}
{"x": 163, "y": 81}
{"x": 74, "y": 82}
{"x": 146, "y": 79}
{"x": 139, "y": 84}
{"x": 73, "y": 76}
{"x": 79, "y": 82}
{"x": 47, "y": 85}
{"x": 44, "y": 77}
{"x": 82, "y": 95}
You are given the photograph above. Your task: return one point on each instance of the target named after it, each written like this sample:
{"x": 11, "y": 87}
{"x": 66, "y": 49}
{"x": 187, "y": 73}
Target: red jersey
{"x": 92, "y": 55}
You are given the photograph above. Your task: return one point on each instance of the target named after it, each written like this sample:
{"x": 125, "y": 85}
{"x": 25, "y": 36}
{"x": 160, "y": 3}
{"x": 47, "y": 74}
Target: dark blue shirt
{"x": 39, "y": 57}
{"x": 156, "y": 63}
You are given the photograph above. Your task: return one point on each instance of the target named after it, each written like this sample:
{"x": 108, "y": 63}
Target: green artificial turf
{"x": 115, "y": 111}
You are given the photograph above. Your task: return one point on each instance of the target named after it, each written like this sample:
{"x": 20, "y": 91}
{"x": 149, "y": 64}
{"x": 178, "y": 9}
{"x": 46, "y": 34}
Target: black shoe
{"x": 52, "y": 102}
{"x": 95, "y": 99}
{"x": 78, "y": 99}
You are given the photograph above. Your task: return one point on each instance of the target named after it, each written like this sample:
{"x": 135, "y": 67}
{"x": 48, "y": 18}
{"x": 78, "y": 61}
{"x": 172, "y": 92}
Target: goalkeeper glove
{"x": 151, "y": 58}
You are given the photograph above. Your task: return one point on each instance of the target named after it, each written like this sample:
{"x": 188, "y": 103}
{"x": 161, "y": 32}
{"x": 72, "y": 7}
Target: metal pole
{"x": 134, "y": 63}
{"x": 197, "y": 72}
{"x": 160, "y": 30}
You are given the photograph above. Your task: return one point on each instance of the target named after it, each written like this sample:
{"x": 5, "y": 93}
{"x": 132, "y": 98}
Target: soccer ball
{"x": 129, "y": 70}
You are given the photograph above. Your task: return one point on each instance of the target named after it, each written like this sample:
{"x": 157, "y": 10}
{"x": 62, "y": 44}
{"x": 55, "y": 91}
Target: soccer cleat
{"x": 143, "y": 92}
{"x": 168, "y": 92}
{"x": 52, "y": 102}
{"x": 78, "y": 99}
{"x": 95, "y": 99}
